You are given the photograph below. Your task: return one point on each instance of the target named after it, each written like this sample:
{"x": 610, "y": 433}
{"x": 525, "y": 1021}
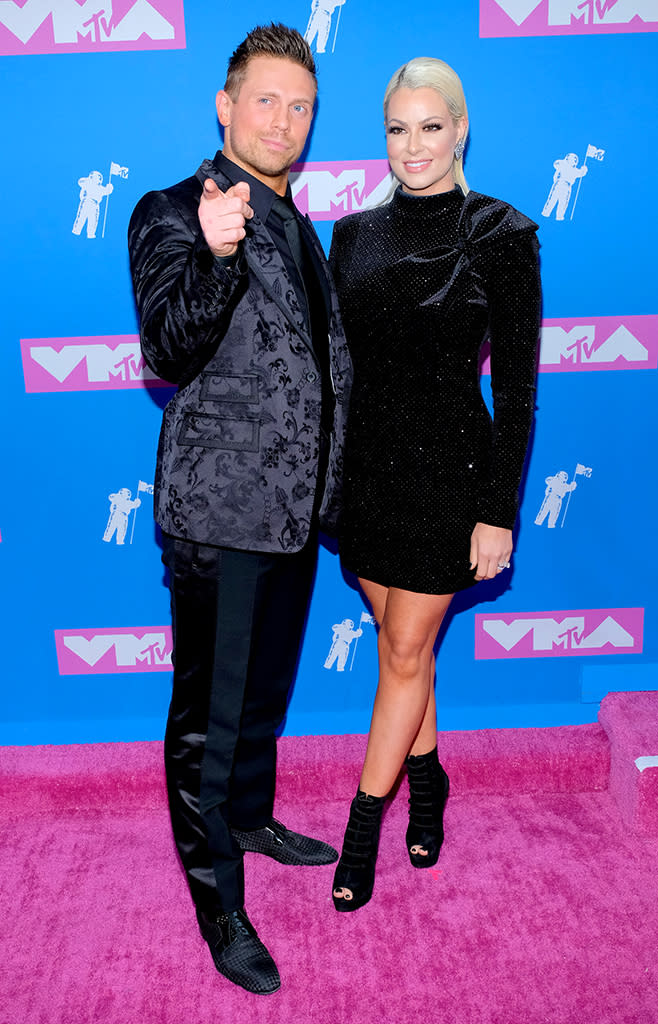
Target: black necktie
{"x": 315, "y": 306}
{"x": 291, "y": 228}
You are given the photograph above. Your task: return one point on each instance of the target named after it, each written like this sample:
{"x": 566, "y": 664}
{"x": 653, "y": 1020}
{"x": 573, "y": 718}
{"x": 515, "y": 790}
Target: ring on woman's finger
{"x": 503, "y": 565}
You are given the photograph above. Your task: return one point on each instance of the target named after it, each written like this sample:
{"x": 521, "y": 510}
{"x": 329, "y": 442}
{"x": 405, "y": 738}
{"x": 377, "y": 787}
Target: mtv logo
{"x": 67, "y": 26}
{"x": 330, "y": 190}
{"x": 105, "y": 363}
{"x": 560, "y": 634}
{"x": 600, "y": 12}
{"x": 102, "y": 651}
{"x": 599, "y": 343}
{"x": 565, "y": 17}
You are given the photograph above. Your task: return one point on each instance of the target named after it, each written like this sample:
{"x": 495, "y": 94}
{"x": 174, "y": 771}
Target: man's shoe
{"x": 237, "y": 951}
{"x": 278, "y": 842}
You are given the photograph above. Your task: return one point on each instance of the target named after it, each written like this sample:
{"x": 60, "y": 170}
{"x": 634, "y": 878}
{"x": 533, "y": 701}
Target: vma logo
{"x": 596, "y": 343}
{"x": 330, "y": 190}
{"x": 106, "y": 363}
{"x": 599, "y": 343}
{"x": 89, "y": 26}
{"x": 566, "y": 17}
{"x": 101, "y": 651}
{"x": 560, "y": 634}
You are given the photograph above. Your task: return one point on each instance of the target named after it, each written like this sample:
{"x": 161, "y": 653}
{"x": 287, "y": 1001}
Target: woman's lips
{"x": 416, "y": 165}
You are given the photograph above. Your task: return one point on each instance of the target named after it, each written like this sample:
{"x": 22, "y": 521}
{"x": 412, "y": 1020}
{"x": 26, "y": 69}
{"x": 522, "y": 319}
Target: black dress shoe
{"x": 237, "y": 951}
{"x": 278, "y": 842}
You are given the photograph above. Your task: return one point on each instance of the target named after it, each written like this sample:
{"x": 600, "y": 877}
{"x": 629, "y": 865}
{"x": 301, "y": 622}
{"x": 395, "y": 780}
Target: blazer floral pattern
{"x": 237, "y": 460}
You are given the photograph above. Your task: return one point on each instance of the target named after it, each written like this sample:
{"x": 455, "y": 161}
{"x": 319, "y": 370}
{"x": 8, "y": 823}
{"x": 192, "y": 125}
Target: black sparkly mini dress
{"x": 422, "y": 281}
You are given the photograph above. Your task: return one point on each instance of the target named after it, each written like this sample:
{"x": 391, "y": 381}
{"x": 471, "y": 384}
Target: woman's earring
{"x": 459, "y": 150}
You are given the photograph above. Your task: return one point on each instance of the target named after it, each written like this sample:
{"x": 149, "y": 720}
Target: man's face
{"x": 266, "y": 126}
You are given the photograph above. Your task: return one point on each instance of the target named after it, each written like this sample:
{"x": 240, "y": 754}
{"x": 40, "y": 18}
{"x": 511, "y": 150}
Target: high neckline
{"x": 423, "y": 205}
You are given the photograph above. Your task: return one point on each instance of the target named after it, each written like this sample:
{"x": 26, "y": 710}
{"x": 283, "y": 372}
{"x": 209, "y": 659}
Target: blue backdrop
{"x": 561, "y": 99}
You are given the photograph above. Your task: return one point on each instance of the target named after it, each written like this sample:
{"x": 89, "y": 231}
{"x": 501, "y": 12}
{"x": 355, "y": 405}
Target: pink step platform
{"x": 631, "y": 723}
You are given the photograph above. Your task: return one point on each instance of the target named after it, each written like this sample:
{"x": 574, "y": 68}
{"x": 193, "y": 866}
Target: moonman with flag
{"x": 343, "y": 635}
{"x": 121, "y": 505}
{"x": 567, "y": 172}
{"x": 319, "y": 23}
{"x": 557, "y": 486}
{"x": 92, "y": 193}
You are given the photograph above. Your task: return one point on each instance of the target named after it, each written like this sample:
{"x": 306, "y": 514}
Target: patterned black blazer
{"x": 238, "y": 454}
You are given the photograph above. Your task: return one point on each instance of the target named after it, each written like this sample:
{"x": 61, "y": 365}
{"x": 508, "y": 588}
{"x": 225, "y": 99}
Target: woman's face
{"x": 421, "y": 137}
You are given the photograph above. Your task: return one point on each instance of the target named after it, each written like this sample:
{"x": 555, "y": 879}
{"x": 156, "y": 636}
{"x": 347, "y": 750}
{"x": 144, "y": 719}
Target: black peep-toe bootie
{"x": 428, "y": 792}
{"x": 356, "y": 868}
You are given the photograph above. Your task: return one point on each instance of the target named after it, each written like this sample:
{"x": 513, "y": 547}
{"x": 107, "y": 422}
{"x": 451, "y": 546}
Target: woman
{"x": 431, "y": 482}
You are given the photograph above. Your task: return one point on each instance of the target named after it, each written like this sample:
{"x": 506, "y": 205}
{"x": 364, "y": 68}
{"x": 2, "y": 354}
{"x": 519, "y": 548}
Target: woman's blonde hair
{"x": 431, "y": 73}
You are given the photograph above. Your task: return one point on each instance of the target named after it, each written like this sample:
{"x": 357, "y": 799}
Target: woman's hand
{"x": 491, "y": 550}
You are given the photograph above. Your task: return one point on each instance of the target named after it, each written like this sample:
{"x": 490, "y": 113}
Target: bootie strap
{"x": 428, "y": 793}
{"x": 356, "y": 867}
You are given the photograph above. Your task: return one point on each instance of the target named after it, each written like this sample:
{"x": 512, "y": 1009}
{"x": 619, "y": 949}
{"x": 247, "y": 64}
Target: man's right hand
{"x": 222, "y": 216}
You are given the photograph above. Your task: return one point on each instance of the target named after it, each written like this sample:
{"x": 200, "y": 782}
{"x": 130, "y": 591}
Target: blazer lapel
{"x": 264, "y": 260}
{"x": 266, "y": 264}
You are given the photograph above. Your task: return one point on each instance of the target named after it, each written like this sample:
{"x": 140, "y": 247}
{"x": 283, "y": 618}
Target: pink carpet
{"x": 541, "y": 910}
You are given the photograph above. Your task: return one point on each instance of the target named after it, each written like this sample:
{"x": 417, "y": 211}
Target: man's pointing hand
{"x": 222, "y": 216}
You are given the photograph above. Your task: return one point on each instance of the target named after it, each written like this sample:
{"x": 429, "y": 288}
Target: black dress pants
{"x": 238, "y": 619}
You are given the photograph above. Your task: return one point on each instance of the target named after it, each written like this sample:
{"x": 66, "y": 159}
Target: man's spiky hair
{"x": 274, "y": 40}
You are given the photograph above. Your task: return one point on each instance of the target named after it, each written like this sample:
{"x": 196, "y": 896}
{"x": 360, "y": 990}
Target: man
{"x": 238, "y": 309}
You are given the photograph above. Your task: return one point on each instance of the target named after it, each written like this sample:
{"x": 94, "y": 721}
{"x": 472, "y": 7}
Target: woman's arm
{"x": 513, "y": 289}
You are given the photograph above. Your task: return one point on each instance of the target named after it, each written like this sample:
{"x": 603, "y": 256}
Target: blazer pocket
{"x": 227, "y": 387}
{"x": 229, "y": 433}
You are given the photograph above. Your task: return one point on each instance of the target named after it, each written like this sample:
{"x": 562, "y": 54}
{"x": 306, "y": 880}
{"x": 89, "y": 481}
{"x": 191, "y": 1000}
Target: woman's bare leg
{"x": 404, "y": 714}
{"x": 425, "y": 739}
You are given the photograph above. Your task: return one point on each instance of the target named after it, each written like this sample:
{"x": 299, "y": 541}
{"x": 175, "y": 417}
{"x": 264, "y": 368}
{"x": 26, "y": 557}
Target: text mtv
{"x": 328, "y": 191}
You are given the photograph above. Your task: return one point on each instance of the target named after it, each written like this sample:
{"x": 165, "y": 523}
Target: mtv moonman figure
{"x": 344, "y": 634}
{"x": 557, "y": 487}
{"x": 92, "y": 193}
{"x": 121, "y": 505}
{"x": 319, "y": 23}
{"x": 566, "y": 173}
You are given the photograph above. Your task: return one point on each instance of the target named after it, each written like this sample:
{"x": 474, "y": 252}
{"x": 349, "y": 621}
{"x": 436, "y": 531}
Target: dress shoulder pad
{"x": 486, "y": 221}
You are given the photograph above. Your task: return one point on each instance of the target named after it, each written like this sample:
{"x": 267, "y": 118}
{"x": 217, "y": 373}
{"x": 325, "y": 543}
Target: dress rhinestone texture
{"x": 422, "y": 281}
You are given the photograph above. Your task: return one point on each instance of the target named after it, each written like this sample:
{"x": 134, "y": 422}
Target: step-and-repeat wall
{"x": 103, "y": 101}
